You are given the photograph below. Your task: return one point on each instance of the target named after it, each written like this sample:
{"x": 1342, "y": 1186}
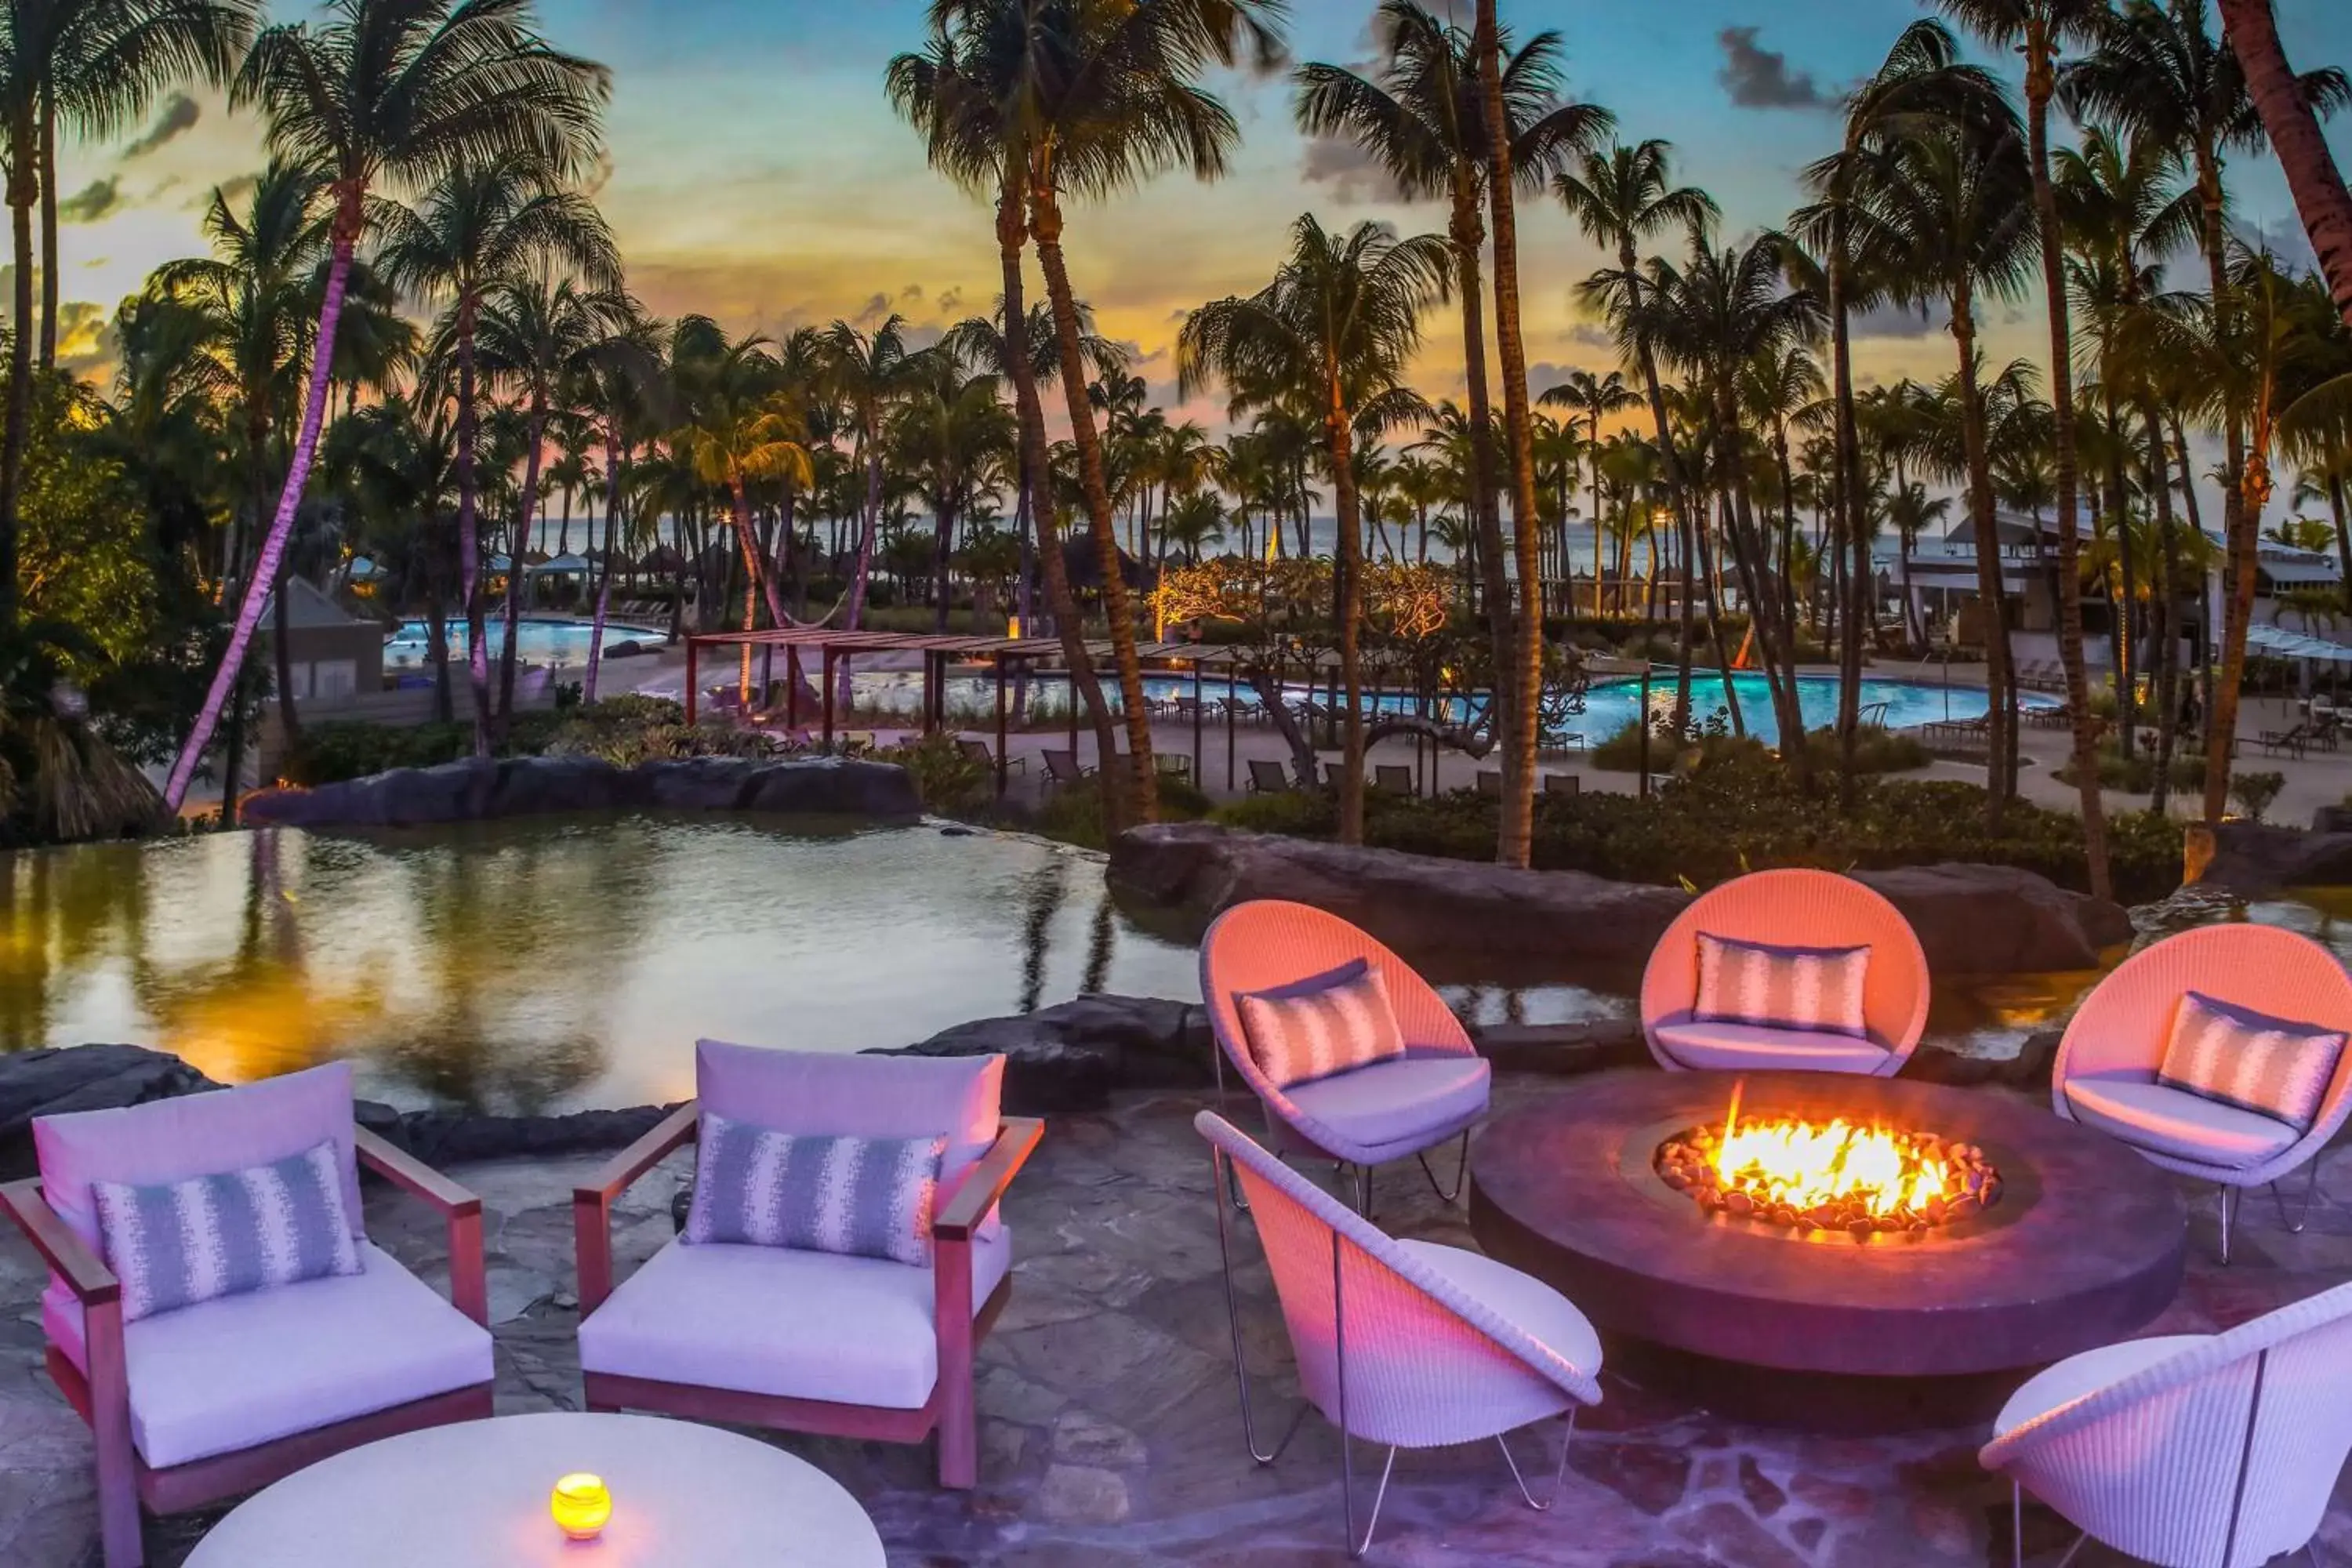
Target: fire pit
{"x": 1668, "y": 1216}
{"x": 1829, "y": 1177}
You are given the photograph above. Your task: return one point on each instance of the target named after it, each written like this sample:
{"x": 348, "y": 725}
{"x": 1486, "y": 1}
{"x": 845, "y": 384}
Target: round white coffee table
{"x": 475, "y": 1495}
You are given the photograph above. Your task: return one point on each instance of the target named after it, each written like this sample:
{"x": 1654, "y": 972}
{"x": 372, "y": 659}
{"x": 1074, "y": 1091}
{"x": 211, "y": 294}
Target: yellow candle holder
{"x": 580, "y": 1505}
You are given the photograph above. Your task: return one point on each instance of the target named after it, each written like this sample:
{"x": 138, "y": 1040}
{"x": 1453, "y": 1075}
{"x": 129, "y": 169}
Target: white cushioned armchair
{"x": 200, "y": 1402}
{"x": 806, "y": 1341}
{"x": 2105, "y": 1072}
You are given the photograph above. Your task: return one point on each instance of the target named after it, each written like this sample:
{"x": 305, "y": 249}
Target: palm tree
{"x": 1339, "y": 325}
{"x": 1953, "y": 198}
{"x": 2158, "y": 74}
{"x": 1111, "y": 98}
{"x": 97, "y": 64}
{"x": 2038, "y": 29}
{"x": 742, "y": 429}
{"x": 1596, "y": 397}
{"x": 623, "y": 388}
{"x": 951, "y": 430}
{"x": 869, "y": 372}
{"x": 480, "y": 228}
{"x": 1714, "y": 317}
{"x": 2291, "y": 121}
{"x": 1781, "y": 383}
{"x": 1423, "y": 118}
{"x": 397, "y": 91}
{"x": 1621, "y": 200}
{"x": 536, "y": 334}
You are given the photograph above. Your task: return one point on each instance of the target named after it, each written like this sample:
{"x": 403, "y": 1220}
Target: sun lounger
{"x": 1392, "y": 779}
{"x": 977, "y": 751}
{"x": 1062, "y": 767}
{"x": 1267, "y": 777}
{"x": 1562, "y": 784}
{"x": 1490, "y": 782}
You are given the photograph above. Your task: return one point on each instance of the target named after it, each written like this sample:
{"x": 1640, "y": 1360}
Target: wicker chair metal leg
{"x": 2310, "y": 1196}
{"x": 1559, "y": 1478}
{"x": 1461, "y": 1172}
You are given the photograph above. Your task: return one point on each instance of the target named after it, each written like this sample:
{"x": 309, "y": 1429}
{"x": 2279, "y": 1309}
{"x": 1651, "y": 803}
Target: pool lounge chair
{"x": 1267, "y": 776}
{"x": 2104, "y": 1072}
{"x": 977, "y": 751}
{"x": 1490, "y": 782}
{"x": 2294, "y": 741}
{"x": 1409, "y": 1344}
{"x": 1562, "y": 784}
{"x": 1062, "y": 767}
{"x": 1392, "y": 779}
{"x": 1789, "y": 908}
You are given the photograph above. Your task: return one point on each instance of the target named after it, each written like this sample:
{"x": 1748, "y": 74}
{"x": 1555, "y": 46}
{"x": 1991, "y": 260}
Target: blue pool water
{"x": 536, "y": 641}
{"x": 1609, "y": 707}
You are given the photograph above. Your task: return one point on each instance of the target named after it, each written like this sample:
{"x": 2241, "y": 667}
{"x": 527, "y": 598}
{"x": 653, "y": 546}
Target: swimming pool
{"x": 537, "y": 641}
{"x": 1609, "y": 707}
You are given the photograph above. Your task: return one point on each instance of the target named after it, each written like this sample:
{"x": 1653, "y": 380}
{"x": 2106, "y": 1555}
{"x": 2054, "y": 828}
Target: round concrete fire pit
{"x": 2085, "y": 1245}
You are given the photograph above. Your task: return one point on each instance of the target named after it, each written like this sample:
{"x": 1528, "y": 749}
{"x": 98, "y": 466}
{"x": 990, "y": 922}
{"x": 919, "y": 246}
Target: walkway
{"x": 1109, "y": 1433}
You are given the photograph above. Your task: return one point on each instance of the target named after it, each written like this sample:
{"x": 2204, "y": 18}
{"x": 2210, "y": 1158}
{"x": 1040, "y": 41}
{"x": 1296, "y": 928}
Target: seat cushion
{"x": 247, "y": 1370}
{"x": 765, "y": 1320}
{"x": 2077, "y": 1376}
{"x": 1400, "y": 1100}
{"x": 1735, "y": 1047}
{"x": 2174, "y": 1121}
{"x": 1521, "y": 1300}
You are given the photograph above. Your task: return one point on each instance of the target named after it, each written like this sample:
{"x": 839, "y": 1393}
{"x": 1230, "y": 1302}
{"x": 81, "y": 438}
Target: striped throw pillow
{"x": 178, "y": 1244}
{"x": 2273, "y": 1067}
{"x": 1815, "y": 988}
{"x": 1315, "y": 1028}
{"x": 862, "y": 1197}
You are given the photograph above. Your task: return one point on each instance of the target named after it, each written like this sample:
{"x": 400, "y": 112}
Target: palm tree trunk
{"x": 529, "y": 507}
{"x": 1516, "y": 840}
{"x": 348, "y": 220}
{"x": 2295, "y": 135}
{"x": 290, "y": 721}
{"x": 1036, "y": 467}
{"x": 2167, "y": 619}
{"x": 1854, "y": 533}
{"x": 2126, "y": 640}
{"x": 2237, "y": 530}
{"x": 1143, "y": 786}
{"x": 604, "y": 567}
{"x": 1748, "y": 559}
{"x": 469, "y": 536}
{"x": 1988, "y": 566}
{"x": 1469, "y": 235}
{"x": 23, "y": 187}
{"x": 1339, "y": 440}
{"x": 2039, "y": 82}
{"x": 752, "y": 579}
{"x": 48, "y": 228}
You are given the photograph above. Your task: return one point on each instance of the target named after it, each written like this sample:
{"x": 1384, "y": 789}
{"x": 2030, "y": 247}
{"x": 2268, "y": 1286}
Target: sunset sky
{"x": 759, "y": 175}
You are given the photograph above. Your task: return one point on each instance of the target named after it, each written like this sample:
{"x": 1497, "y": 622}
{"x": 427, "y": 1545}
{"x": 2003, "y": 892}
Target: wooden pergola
{"x": 1001, "y": 654}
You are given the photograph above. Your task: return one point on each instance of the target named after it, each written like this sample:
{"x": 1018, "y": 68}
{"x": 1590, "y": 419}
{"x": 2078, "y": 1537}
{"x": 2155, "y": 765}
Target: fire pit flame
{"x": 1832, "y": 1176}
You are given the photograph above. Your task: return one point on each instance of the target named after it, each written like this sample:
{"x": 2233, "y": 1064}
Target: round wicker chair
{"x": 1792, "y": 908}
{"x": 2119, "y": 1033}
{"x": 1365, "y": 1118}
{"x": 2191, "y": 1450}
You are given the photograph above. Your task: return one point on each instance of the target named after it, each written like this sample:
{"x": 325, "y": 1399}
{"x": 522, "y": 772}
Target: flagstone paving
{"x": 1110, "y": 1432}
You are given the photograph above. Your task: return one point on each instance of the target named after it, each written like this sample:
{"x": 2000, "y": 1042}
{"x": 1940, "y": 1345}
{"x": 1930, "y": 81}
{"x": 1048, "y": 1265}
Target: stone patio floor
{"x": 1109, "y": 1432}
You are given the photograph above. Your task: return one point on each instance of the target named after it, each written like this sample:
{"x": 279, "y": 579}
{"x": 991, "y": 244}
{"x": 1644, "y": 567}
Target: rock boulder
{"x": 1074, "y": 1056}
{"x": 481, "y": 789}
{"x": 1467, "y": 921}
{"x": 2257, "y": 861}
{"x": 80, "y": 1077}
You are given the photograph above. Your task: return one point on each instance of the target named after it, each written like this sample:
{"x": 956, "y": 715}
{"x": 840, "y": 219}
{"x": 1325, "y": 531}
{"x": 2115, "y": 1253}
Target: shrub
{"x": 2256, "y": 792}
{"x": 339, "y": 749}
{"x": 1740, "y": 814}
{"x": 2135, "y": 775}
{"x": 949, "y": 782}
{"x": 1876, "y": 750}
{"x": 1074, "y": 814}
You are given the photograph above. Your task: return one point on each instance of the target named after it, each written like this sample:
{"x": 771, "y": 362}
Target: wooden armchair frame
{"x": 102, "y": 1397}
{"x": 950, "y": 1410}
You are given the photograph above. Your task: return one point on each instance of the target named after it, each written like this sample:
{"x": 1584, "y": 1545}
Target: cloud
{"x": 1759, "y": 78}
{"x": 179, "y": 117}
{"x": 875, "y": 308}
{"x": 1899, "y": 321}
{"x": 599, "y": 176}
{"x": 2285, "y": 238}
{"x": 950, "y": 300}
{"x": 233, "y": 190}
{"x": 86, "y": 340}
{"x": 1354, "y": 175}
{"x": 93, "y": 202}
{"x": 1592, "y": 335}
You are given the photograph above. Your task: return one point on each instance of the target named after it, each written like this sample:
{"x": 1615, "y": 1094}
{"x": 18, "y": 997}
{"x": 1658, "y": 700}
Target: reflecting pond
{"x": 552, "y": 964}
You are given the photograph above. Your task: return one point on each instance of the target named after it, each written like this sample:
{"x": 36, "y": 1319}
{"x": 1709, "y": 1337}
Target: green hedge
{"x": 1744, "y": 816}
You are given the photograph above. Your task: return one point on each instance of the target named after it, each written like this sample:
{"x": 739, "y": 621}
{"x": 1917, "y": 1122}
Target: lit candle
{"x": 580, "y": 1506}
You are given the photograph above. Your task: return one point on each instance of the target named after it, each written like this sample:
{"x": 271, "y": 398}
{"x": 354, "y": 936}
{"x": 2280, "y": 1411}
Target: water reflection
{"x": 547, "y": 965}
{"x": 552, "y": 965}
